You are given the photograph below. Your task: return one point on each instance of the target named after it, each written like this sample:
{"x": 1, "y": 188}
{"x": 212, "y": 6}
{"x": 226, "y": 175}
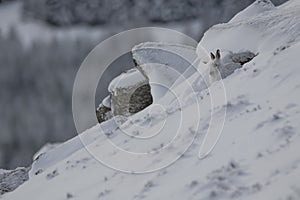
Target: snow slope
{"x": 256, "y": 157}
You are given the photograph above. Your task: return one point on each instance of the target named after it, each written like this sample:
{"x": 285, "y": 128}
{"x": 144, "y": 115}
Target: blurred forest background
{"x": 43, "y": 42}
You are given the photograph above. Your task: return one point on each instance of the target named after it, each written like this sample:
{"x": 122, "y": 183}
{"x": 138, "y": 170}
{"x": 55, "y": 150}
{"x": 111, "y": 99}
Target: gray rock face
{"x": 103, "y": 113}
{"x": 11, "y": 179}
{"x": 233, "y": 61}
{"x": 129, "y": 94}
{"x": 127, "y": 101}
{"x": 140, "y": 99}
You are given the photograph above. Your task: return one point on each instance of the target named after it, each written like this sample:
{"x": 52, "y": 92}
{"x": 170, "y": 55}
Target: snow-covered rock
{"x": 256, "y": 157}
{"x": 233, "y": 61}
{"x": 103, "y": 113}
{"x": 129, "y": 93}
{"x": 11, "y": 179}
{"x": 166, "y": 65}
{"x": 163, "y": 64}
{"x": 127, "y": 79}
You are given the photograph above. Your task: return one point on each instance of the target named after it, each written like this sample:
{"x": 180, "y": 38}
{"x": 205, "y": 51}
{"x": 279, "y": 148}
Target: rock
{"x": 233, "y": 61}
{"x": 11, "y": 179}
{"x": 129, "y": 93}
{"x": 103, "y": 113}
{"x": 140, "y": 99}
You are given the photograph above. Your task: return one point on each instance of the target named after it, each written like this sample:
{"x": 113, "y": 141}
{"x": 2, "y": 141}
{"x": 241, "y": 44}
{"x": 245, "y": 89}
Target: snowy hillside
{"x": 256, "y": 157}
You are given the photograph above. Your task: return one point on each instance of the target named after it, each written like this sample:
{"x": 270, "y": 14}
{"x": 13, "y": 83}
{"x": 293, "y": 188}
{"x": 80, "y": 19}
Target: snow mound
{"x": 264, "y": 31}
{"x": 256, "y": 157}
{"x": 163, "y": 64}
{"x": 256, "y": 8}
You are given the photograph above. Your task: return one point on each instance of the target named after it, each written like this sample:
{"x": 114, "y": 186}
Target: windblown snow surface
{"x": 257, "y": 156}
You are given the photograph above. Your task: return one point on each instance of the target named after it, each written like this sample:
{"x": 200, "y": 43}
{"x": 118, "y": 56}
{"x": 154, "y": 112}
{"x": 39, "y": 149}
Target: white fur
{"x": 221, "y": 68}
{"x": 214, "y": 65}
{"x": 212, "y": 61}
{"x": 214, "y": 73}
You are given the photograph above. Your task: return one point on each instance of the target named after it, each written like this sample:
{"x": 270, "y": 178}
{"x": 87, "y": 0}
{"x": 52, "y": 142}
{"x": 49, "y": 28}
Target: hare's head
{"x": 215, "y": 59}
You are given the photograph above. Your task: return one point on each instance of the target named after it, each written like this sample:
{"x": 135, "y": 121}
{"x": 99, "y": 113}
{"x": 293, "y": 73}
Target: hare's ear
{"x": 212, "y": 56}
{"x": 218, "y": 55}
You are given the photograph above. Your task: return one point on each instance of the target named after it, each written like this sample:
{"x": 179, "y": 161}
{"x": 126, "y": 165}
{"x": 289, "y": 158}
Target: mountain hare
{"x": 214, "y": 67}
{"x": 221, "y": 68}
